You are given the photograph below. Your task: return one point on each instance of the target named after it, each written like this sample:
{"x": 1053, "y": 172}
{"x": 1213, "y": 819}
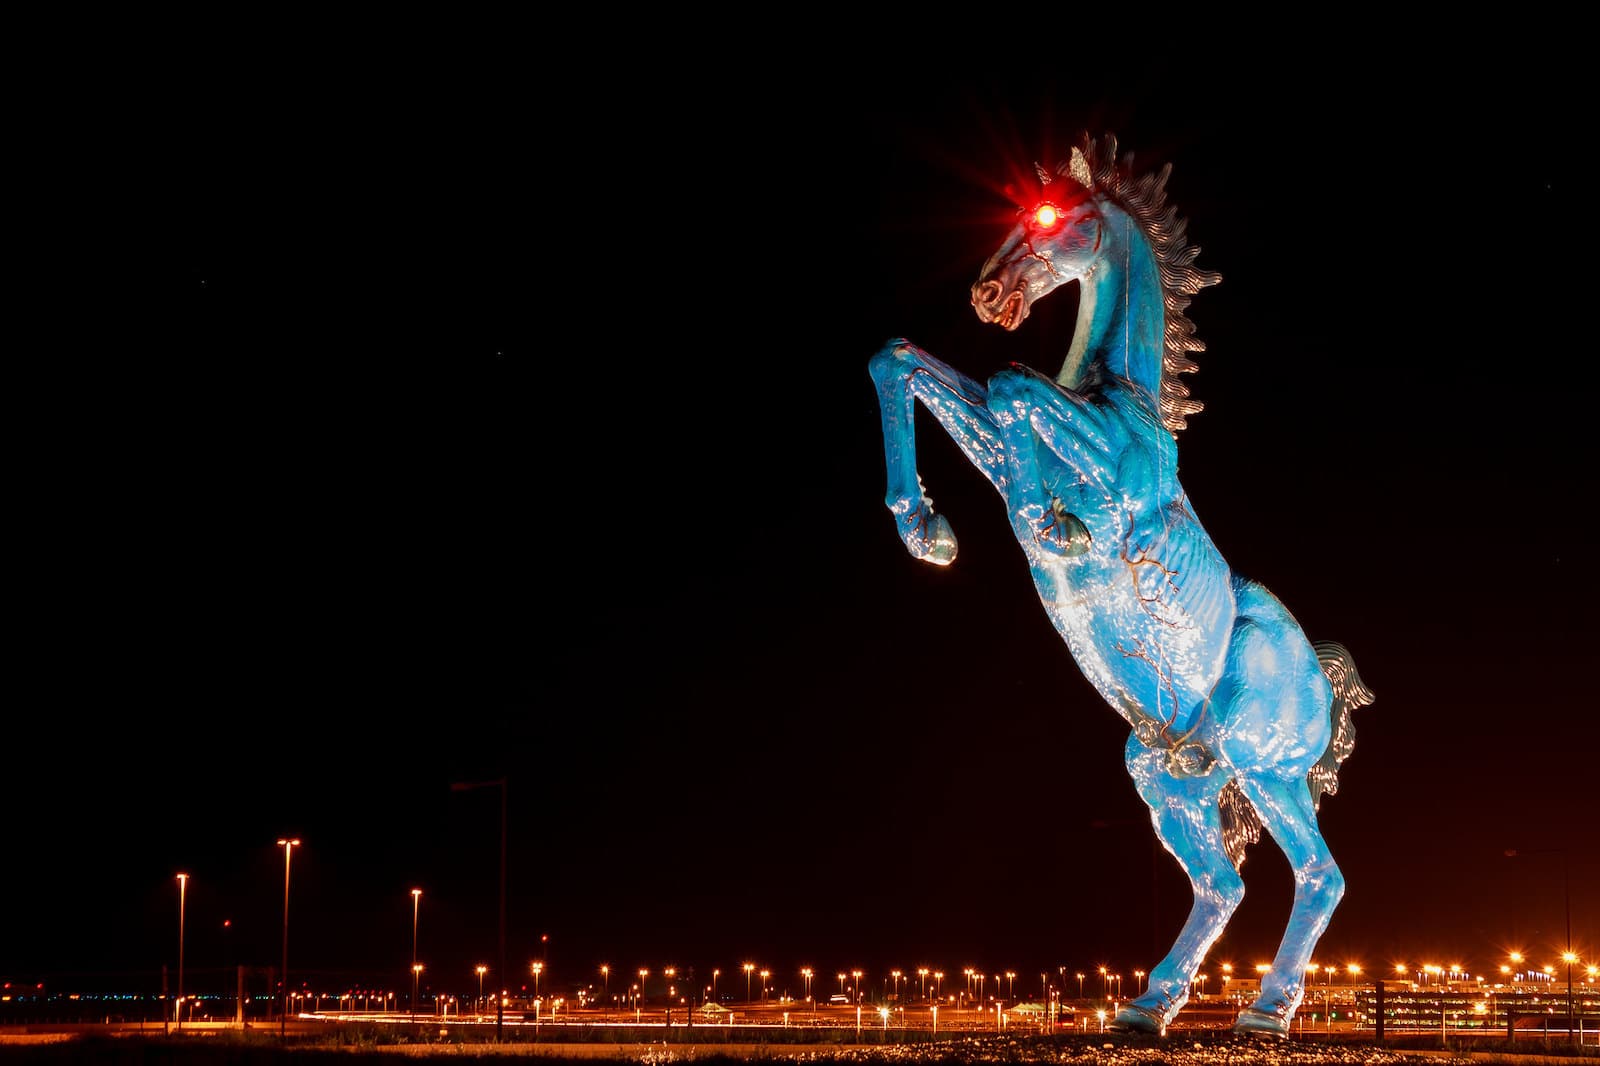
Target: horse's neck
{"x": 1121, "y": 318}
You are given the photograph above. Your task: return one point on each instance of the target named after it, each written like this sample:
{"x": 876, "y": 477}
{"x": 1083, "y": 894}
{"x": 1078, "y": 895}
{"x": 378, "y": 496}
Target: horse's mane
{"x": 1096, "y": 166}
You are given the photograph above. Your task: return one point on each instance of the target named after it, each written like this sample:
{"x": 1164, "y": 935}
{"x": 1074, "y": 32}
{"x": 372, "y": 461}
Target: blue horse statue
{"x": 1238, "y": 720}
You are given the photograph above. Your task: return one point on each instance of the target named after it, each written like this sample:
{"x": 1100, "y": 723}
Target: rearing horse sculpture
{"x": 1238, "y": 720}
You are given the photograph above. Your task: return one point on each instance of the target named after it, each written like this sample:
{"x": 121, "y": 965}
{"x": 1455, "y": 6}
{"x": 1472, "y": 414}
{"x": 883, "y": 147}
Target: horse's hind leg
{"x": 1188, "y": 821}
{"x": 1286, "y": 809}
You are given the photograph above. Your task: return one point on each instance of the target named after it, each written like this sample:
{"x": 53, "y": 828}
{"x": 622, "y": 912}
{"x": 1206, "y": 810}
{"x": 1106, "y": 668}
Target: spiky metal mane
{"x": 1145, "y": 201}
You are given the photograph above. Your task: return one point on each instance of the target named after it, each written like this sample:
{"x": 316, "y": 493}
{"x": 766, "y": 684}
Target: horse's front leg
{"x": 905, "y": 374}
{"x": 1032, "y": 413}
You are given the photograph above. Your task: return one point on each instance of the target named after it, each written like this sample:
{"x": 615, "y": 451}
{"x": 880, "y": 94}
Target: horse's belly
{"x": 1152, "y": 641}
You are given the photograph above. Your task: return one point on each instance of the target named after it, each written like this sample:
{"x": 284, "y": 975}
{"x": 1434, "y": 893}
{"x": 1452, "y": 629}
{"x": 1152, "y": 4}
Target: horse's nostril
{"x": 986, "y": 293}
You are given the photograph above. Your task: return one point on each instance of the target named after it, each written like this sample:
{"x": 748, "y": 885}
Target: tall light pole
{"x": 806, "y": 973}
{"x": 605, "y": 979}
{"x": 1566, "y": 896}
{"x": 481, "y": 971}
{"x": 288, "y": 845}
{"x": 1080, "y": 985}
{"x": 416, "y": 979}
{"x": 416, "y": 906}
{"x": 714, "y": 975}
{"x": 183, "y": 885}
{"x": 500, "y": 974}
{"x": 857, "y": 975}
{"x": 749, "y": 968}
{"x": 896, "y": 975}
{"x": 922, "y": 990}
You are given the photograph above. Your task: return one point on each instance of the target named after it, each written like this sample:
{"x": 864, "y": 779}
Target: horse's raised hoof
{"x": 1259, "y": 1023}
{"x": 1136, "y": 1019}
{"x": 930, "y": 538}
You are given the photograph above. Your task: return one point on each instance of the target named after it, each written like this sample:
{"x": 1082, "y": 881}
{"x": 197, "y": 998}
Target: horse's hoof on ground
{"x": 1133, "y": 1019}
{"x": 1260, "y": 1023}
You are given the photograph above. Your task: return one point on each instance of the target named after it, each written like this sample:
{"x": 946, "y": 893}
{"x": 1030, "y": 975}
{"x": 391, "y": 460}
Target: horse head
{"x": 1058, "y": 238}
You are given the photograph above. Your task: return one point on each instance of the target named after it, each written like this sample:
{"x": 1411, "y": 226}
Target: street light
{"x": 1139, "y": 977}
{"x": 605, "y": 977}
{"x": 1566, "y": 890}
{"x": 764, "y": 975}
{"x": 183, "y": 884}
{"x": 500, "y": 998}
{"x": 857, "y": 975}
{"x": 749, "y": 968}
{"x": 288, "y": 845}
{"x": 416, "y": 903}
{"x": 714, "y": 975}
{"x": 1011, "y": 982}
{"x": 1569, "y": 957}
{"x": 896, "y": 975}
{"x": 806, "y": 973}
{"x": 922, "y": 991}
{"x": 538, "y": 968}
{"x": 481, "y": 970}
{"x": 1080, "y": 985}
{"x": 416, "y": 976}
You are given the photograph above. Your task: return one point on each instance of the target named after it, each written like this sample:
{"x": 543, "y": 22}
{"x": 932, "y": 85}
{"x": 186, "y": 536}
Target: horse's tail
{"x": 1348, "y": 694}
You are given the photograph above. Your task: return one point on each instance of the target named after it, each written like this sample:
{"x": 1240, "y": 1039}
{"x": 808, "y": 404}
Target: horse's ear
{"x": 1043, "y": 172}
{"x": 1078, "y": 167}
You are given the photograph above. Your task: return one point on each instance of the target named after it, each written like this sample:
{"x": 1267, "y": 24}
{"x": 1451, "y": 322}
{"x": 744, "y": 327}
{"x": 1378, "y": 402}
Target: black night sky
{"x": 416, "y": 429}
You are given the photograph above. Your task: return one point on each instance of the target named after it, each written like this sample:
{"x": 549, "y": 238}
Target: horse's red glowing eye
{"x": 1046, "y": 215}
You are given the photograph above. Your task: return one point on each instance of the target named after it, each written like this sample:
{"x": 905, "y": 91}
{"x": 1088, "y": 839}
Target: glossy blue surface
{"x": 1239, "y": 722}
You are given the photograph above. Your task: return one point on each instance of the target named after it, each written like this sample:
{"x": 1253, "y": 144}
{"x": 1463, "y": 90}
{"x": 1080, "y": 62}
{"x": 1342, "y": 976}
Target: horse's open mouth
{"x": 1012, "y": 312}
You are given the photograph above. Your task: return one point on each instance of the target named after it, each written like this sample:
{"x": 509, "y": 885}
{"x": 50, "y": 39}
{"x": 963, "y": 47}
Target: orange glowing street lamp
{"x": 805, "y": 972}
{"x": 416, "y": 977}
{"x": 416, "y": 904}
{"x": 749, "y": 968}
{"x": 538, "y": 968}
{"x": 922, "y": 990}
{"x": 857, "y": 975}
{"x": 288, "y": 845}
{"x": 183, "y": 885}
{"x": 605, "y": 977}
{"x": 1569, "y": 957}
{"x": 481, "y": 970}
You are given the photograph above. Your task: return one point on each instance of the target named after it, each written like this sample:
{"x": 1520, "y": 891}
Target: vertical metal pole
{"x": 183, "y": 884}
{"x": 1567, "y": 897}
{"x": 499, "y": 1001}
